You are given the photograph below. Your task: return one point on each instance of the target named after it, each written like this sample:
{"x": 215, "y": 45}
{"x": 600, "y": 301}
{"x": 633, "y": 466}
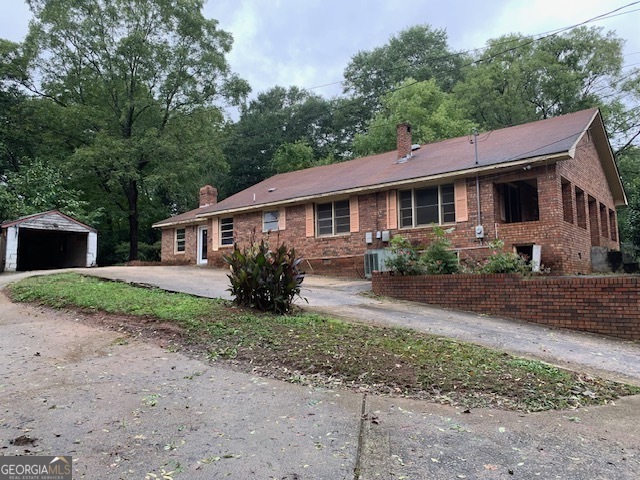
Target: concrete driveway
{"x": 124, "y": 408}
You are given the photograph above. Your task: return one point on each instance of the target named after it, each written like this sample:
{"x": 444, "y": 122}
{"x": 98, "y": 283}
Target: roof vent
{"x": 272, "y": 189}
{"x": 415, "y": 146}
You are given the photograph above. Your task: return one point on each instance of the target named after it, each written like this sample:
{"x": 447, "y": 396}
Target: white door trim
{"x": 202, "y": 242}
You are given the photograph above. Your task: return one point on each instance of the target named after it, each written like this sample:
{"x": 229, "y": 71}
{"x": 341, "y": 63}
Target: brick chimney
{"x": 208, "y": 195}
{"x": 404, "y": 140}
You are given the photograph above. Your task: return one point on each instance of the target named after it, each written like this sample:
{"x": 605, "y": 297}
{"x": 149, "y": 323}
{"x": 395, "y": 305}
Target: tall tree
{"x": 132, "y": 77}
{"x": 419, "y": 52}
{"x": 39, "y": 187}
{"x": 292, "y": 156}
{"x": 629, "y": 217}
{"x": 276, "y": 117}
{"x": 432, "y": 113}
{"x": 517, "y": 79}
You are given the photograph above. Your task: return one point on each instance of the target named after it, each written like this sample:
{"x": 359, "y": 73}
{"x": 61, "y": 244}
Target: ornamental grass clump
{"x": 264, "y": 279}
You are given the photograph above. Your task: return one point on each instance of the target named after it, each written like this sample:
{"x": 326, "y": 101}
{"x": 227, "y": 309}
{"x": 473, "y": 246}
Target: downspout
{"x": 475, "y": 146}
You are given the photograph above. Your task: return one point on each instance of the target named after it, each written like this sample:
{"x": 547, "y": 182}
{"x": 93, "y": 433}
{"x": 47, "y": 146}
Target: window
{"x": 581, "y": 211}
{"x": 333, "y": 218}
{"x": 226, "y": 231}
{"x": 270, "y": 221}
{"x": 604, "y": 221}
{"x": 612, "y": 225}
{"x": 181, "y": 236}
{"x": 518, "y": 201}
{"x": 567, "y": 201}
{"x": 425, "y": 206}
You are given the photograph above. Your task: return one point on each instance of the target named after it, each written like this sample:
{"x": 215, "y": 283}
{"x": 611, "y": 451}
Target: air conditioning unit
{"x": 375, "y": 260}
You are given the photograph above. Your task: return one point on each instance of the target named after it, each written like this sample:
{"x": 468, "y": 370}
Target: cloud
{"x": 309, "y": 43}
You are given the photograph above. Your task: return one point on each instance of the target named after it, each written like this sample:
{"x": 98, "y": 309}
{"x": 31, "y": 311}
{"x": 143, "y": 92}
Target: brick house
{"x": 548, "y": 188}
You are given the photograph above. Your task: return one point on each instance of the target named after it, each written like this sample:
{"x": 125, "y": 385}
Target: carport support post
{"x": 132, "y": 198}
{"x": 11, "y": 255}
{"x": 92, "y": 249}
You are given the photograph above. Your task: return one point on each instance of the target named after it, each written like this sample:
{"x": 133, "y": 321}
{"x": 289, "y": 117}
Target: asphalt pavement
{"x": 125, "y": 408}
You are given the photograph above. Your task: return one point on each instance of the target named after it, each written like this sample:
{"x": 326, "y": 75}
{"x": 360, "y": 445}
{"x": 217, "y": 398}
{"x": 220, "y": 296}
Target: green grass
{"x": 314, "y": 349}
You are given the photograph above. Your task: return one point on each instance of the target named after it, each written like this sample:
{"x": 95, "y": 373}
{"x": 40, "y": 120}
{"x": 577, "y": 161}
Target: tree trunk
{"x": 131, "y": 191}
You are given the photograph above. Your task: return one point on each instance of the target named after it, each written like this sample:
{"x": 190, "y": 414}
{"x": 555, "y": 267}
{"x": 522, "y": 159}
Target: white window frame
{"x": 180, "y": 244}
{"x": 226, "y": 240}
{"x": 334, "y": 227}
{"x": 274, "y": 220}
{"x": 441, "y": 206}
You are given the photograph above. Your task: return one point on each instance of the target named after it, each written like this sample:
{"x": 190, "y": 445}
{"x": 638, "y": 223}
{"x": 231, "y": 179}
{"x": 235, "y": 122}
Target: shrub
{"x": 404, "y": 258}
{"x": 437, "y": 258}
{"x": 501, "y": 261}
{"x": 264, "y": 279}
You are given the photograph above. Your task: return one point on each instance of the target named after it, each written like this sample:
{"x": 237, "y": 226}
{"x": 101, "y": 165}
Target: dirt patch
{"x": 362, "y": 362}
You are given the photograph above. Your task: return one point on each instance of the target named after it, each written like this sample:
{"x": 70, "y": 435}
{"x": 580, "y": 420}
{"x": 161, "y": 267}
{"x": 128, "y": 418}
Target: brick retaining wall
{"x": 608, "y": 305}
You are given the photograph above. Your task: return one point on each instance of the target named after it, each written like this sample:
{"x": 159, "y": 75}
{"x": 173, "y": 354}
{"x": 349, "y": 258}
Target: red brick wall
{"x": 168, "y": 253}
{"x": 565, "y": 246}
{"x": 342, "y": 255}
{"x": 585, "y": 172}
{"x": 605, "y": 305}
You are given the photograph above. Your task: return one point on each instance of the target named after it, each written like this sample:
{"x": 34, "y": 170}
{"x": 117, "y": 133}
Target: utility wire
{"x": 532, "y": 39}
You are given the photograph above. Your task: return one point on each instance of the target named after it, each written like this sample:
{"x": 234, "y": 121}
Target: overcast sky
{"x": 308, "y": 43}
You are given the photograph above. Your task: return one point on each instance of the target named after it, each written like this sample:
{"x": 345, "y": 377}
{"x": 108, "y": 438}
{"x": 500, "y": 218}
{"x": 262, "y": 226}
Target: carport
{"x": 47, "y": 240}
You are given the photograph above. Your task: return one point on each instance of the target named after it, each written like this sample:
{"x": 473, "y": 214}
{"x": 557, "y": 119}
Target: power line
{"x": 533, "y": 38}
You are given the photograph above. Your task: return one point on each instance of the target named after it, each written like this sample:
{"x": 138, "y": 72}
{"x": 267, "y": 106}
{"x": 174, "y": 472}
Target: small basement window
{"x": 518, "y": 201}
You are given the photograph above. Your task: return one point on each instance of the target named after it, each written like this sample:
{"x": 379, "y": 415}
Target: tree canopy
{"x": 517, "y": 79}
{"x": 136, "y": 83}
{"x": 276, "y": 117}
{"x": 113, "y": 110}
{"x": 432, "y": 114}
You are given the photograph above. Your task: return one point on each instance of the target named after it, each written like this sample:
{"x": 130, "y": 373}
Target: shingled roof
{"x": 545, "y": 140}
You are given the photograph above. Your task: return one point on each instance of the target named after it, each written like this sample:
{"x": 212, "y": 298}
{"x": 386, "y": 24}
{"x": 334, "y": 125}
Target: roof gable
{"x": 50, "y": 220}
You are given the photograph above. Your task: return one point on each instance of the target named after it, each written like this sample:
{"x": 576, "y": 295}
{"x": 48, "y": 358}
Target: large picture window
{"x": 424, "y": 206}
{"x": 181, "y": 240}
{"x": 333, "y": 218}
{"x": 270, "y": 221}
{"x": 226, "y": 231}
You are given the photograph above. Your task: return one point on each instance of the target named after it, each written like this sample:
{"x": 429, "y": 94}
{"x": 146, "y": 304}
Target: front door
{"x": 202, "y": 245}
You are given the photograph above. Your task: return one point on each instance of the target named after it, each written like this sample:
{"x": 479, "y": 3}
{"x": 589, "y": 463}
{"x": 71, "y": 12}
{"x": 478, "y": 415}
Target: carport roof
{"x": 35, "y": 216}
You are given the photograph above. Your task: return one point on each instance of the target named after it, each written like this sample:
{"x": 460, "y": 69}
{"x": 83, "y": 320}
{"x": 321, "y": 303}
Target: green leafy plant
{"x": 404, "y": 259}
{"x": 264, "y": 279}
{"x": 438, "y": 259}
{"x": 501, "y": 261}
